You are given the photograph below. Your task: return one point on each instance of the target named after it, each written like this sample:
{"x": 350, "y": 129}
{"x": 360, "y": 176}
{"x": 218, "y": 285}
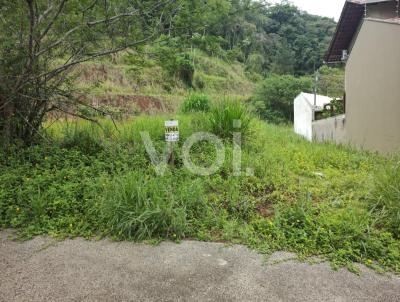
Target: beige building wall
{"x": 373, "y": 87}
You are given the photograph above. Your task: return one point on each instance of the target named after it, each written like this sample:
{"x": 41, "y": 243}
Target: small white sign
{"x": 171, "y": 131}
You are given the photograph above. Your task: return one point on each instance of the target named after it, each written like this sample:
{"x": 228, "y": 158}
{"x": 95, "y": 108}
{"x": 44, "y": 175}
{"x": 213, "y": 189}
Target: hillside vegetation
{"x": 153, "y": 46}
{"x": 132, "y": 74}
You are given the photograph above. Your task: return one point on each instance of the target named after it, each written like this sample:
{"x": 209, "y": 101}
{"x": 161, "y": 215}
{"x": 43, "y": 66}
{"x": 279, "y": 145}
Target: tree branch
{"x": 55, "y": 44}
{"x": 92, "y": 23}
{"x": 60, "y": 8}
{"x": 31, "y": 30}
{"x": 92, "y": 56}
{"x": 130, "y": 14}
{"x": 45, "y": 13}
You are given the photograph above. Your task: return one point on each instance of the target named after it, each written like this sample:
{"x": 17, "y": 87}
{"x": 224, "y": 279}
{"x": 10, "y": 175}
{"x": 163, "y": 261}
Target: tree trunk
{"x": 7, "y": 128}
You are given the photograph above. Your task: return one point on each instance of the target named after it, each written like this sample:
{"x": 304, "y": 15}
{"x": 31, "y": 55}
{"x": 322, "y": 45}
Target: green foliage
{"x": 175, "y": 61}
{"x": 302, "y": 197}
{"x": 199, "y": 81}
{"x": 331, "y": 82}
{"x": 283, "y": 61}
{"x": 384, "y": 199}
{"x": 86, "y": 139}
{"x": 185, "y": 69}
{"x": 137, "y": 206}
{"x": 335, "y": 107}
{"x": 269, "y": 39}
{"x": 229, "y": 116}
{"x": 255, "y": 63}
{"x": 44, "y": 40}
{"x": 273, "y": 99}
{"x": 91, "y": 112}
{"x": 50, "y": 190}
{"x": 196, "y": 102}
{"x": 209, "y": 44}
{"x": 345, "y": 234}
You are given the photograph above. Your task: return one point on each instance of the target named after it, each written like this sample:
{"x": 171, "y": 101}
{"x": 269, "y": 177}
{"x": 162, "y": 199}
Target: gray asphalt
{"x": 78, "y": 270}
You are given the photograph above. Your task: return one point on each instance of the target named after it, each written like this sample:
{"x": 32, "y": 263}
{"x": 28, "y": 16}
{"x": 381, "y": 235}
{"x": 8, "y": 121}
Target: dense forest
{"x": 268, "y": 39}
{"x": 42, "y": 42}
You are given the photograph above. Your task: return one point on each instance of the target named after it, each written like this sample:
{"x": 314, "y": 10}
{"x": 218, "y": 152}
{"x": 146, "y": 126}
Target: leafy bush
{"x": 185, "y": 69}
{"x": 274, "y": 97}
{"x": 336, "y": 107}
{"x": 384, "y": 199}
{"x": 175, "y": 61}
{"x": 229, "y": 116}
{"x": 196, "y": 102}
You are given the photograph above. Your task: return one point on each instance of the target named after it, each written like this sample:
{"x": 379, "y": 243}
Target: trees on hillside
{"x": 289, "y": 40}
{"x": 274, "y": 97}
{"x": 41, "y": 41}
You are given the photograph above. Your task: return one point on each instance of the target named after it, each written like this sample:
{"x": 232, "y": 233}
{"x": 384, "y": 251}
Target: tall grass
{"x": 385, "y": 197}
{"x": 196, "y": 102}
{"x": 137, "y": 207}
{"x": 85, "y": 135}
{"x": 229, "y": 116}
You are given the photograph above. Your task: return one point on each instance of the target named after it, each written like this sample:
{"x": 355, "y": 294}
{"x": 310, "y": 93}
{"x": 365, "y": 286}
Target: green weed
{"x": 312, "y": 199}
{"x": 196, "y": 102}
{"x": 229, "y": 116}
{"x": 138, "y": 206}
{"x": 384, "y": 199}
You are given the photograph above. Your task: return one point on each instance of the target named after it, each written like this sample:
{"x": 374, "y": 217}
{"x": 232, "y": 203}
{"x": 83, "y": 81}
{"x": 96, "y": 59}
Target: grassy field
{"x": 312, "y": 199}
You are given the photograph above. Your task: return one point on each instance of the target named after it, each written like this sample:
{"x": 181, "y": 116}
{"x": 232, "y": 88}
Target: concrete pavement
{"x": 78, "y": 270}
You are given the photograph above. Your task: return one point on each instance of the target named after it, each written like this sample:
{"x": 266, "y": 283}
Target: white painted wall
{"x": 303, "y": 113}
{"x": 302, "y": 118}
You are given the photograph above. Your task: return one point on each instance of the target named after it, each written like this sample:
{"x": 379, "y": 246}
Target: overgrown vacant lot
{"x": 313, "y": 199}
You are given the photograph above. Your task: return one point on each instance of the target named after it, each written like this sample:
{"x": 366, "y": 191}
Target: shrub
{"x": 274, "y": 98}
{"x": 185, "y": 69}
{"x": 176, "y": 62}
{"x": 336, "y": 107}
{"x": 384, "y": 199}
{"x": 224, "y": 117}
{"x": 196, "y": 102}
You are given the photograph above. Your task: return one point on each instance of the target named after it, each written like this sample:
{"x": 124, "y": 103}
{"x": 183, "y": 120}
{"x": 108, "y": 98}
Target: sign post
{"x": 171, "y": 137}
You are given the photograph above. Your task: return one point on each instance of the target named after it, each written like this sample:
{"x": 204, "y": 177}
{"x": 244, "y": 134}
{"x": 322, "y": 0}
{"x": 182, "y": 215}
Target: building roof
{"x": 321, "y": 99}
{"x": 350, "y": 20}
